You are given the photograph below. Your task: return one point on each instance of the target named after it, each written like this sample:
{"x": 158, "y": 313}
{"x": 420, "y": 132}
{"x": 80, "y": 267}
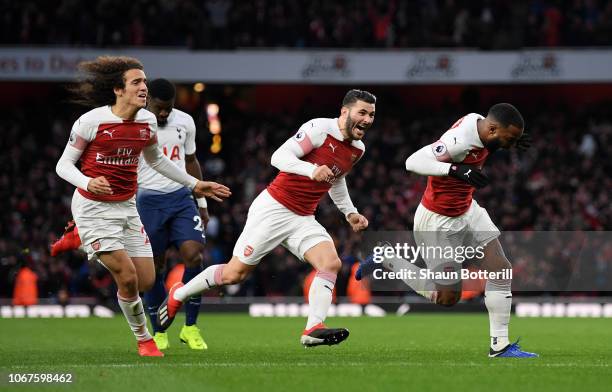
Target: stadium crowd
{"x": 229, "y": 24}
{"x": 562, "y": 183}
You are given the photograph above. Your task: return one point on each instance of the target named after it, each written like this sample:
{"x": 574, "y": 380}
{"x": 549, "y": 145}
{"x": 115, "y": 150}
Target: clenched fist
{"x": 99, "y": 186}
{"x": 357, "y": 221}
{"x": 322, "y": 174}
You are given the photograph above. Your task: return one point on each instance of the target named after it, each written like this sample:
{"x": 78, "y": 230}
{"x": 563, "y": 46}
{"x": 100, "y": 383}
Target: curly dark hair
{"x": 99, "y": 77}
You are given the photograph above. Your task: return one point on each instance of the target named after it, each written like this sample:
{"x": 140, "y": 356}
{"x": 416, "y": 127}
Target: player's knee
{"x": 193, "y": 259}
{"x": 448, "y": 297}
{"x": 127, "y": 280}
{"x": 333, "y": 265}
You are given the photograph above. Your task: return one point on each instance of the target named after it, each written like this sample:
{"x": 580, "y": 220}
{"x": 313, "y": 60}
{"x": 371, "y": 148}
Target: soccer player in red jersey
{"x": 311, "y": 163}
{"x": 449, "y": 216}
{"x": 108, "y": 142}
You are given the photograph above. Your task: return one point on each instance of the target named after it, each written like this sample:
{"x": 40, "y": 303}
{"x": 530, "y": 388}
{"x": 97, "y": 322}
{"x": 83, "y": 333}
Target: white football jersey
{"x": 175, "y": 139}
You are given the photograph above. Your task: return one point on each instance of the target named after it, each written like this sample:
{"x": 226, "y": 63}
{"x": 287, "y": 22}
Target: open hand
{"x": 211, "y": 189}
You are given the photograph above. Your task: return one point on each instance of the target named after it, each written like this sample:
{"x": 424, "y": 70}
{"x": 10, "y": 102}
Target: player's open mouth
{"x": 361, "y": 128}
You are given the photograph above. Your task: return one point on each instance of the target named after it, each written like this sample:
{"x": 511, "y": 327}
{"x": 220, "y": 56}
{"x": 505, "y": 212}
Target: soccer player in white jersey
{"x": 168, "y": 211}
{"x": 312, "y": 163}
{"x": 108, "y": 142}
{"x": 449, "y": 216}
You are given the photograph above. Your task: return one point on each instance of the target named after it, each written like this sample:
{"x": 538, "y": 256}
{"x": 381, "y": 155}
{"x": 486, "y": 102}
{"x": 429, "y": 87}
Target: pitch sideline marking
{"x": 307, "y": 364}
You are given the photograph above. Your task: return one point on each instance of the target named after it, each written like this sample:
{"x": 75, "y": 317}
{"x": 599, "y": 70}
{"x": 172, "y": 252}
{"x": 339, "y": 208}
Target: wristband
{"x": 202, "y": 202}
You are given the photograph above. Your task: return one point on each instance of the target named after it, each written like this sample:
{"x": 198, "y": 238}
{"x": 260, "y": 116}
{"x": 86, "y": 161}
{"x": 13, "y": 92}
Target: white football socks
{"x": 498, "y": 299}
{"x": 134, "y": 313}
{"x": 320, "y": 297}
{"x": 205, "y": 280}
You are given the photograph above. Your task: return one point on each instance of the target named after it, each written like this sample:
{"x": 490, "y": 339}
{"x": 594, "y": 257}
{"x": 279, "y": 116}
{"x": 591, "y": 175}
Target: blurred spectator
{"x": 227, "y": 24}
{"x": 25, "y": 292}
{"x": 358, "y": 292}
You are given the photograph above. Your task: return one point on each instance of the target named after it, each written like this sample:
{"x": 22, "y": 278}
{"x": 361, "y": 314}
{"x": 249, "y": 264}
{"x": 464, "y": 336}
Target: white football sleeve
{"x": 425, "y": 162}
{"x": 341, "y": 198}
{"x": 287, "y": 157}
{"x": 164, "y": 166}
{"x": 67, "y": 169}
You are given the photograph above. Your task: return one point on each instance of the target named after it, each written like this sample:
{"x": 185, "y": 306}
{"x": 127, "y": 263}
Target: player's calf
{"x": 192, "y": 255}
{"x": 233, "y": 272}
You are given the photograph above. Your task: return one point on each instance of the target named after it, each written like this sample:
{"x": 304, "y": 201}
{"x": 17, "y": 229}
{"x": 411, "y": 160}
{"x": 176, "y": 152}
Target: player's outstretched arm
{"x": 164, "y": 165}
{"x": 211, "y": 189}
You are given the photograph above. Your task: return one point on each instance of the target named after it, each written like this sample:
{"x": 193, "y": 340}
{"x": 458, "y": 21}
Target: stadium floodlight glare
{"x": 212, "y": 109}
{"x": 199, "y": 87}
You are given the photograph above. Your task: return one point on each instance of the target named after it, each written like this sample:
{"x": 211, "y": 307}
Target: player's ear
{"x": 344, "y": 110}
{"x": 118, "y": 91}
{"x": 493, "y": 128}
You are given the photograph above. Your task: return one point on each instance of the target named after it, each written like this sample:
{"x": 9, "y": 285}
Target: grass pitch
{"x": 442, "y": 352}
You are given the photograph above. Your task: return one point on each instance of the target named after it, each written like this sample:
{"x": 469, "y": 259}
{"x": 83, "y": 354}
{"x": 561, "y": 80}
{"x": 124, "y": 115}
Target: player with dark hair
{"x": 168, "y": 211}
{"x": 449, "y": 216}
{"x": 311, "y": 163}
{"x": 108, "y": 142}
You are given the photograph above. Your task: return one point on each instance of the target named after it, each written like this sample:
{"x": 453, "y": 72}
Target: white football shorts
{"x": 270, "y": 224}
{"x": 107, "y": 226}
{"x": 472, "y": 229}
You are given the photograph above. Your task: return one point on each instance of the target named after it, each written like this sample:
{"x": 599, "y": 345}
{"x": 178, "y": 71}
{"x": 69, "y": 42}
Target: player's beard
{"x": 493, "y": 145}
{"x": 349, "y": 126}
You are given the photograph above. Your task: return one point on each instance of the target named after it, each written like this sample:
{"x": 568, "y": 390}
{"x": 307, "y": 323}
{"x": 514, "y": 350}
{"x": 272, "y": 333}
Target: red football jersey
{"x": 461, "y": 144}
{"x": 322, "y": 143}
{"x": 111, "y": 148}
